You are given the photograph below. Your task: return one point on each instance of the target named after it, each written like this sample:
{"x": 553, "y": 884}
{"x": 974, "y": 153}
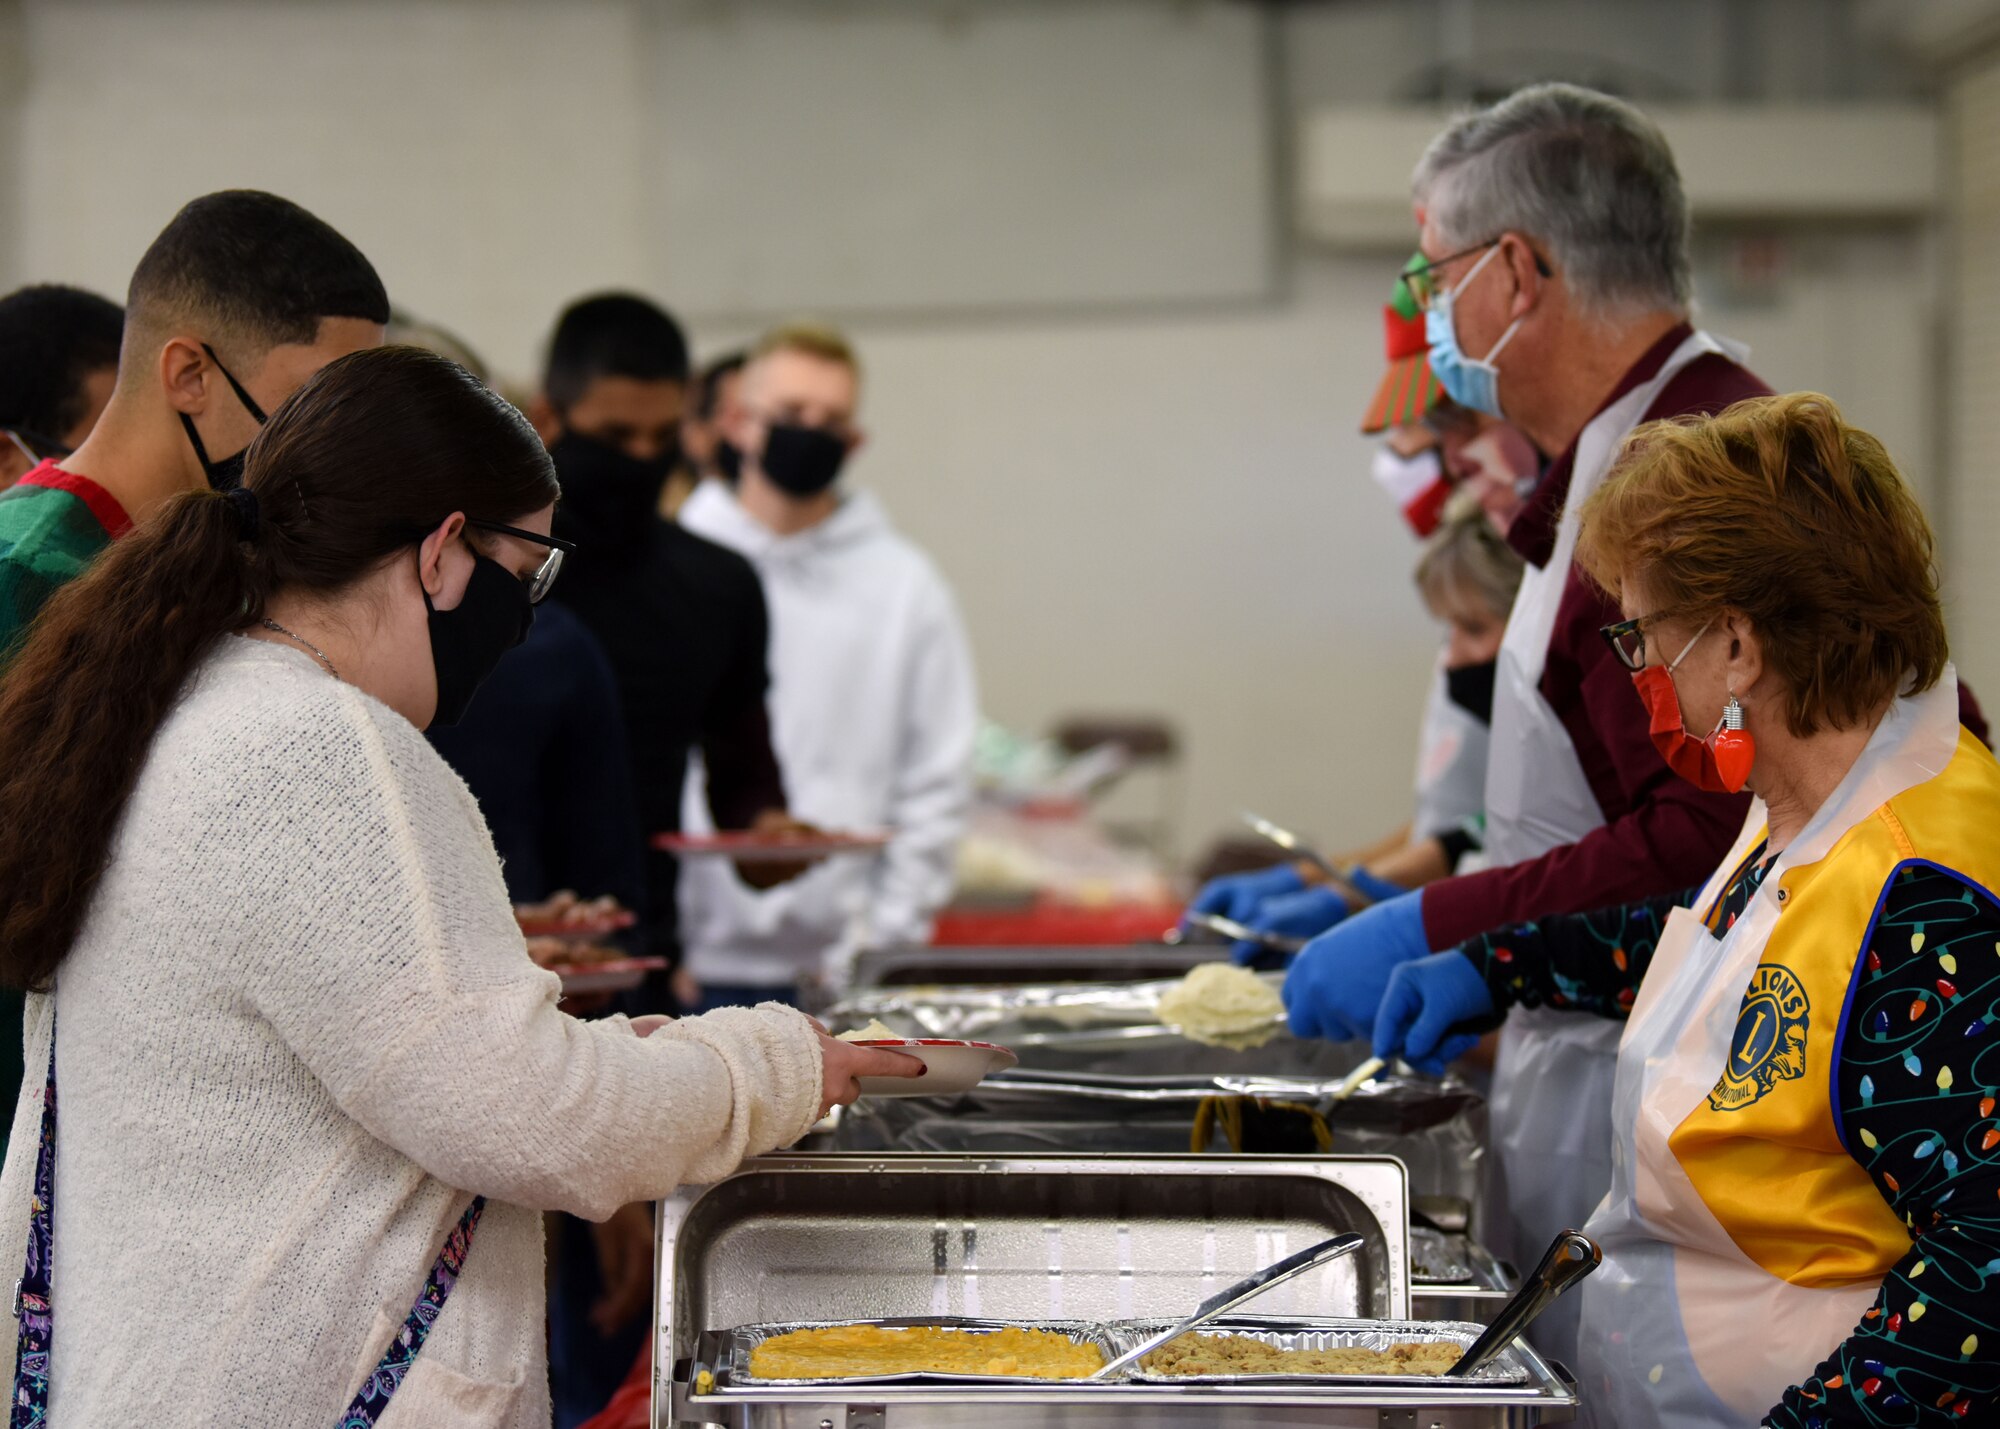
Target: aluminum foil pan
{"x": 1044, "y": 1009}
{"x": 1504, "y": 1369}
{"x": 733, "y": 1347}
{"x": 1110, "y": 1028}
{"x": 1440, "y": 1259}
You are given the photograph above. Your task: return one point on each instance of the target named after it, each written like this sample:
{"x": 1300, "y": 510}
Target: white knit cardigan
{"x": 297, "y": 1032}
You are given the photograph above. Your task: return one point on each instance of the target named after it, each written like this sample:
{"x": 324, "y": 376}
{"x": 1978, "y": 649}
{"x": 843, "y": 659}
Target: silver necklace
{"x": 317, "y": 653}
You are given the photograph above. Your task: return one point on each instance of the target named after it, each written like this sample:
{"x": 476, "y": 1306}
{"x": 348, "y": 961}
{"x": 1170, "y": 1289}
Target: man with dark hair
{"x": 240, "y": 278}
{"x": 682, "y": 619}
{"x": 241, "y": 298}
{"x": 58, "y": 364}
{"x": 684, "y": 624}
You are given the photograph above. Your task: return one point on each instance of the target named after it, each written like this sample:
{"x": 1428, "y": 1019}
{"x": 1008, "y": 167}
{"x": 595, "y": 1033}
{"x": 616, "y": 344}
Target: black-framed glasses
{"x": 1425, "y": 283}
{"x": 36, "y": 447}
{"x": 1627, "y": 639}
{"x": 545, "y": 574}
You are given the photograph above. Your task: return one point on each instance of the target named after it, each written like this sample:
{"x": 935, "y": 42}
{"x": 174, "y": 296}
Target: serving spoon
{"x": 1228, "y": 1298}
{"x": 1573, "y": 1256}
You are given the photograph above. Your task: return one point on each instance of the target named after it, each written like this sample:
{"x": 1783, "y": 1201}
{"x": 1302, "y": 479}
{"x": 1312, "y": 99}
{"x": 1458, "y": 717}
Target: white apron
{"x": 1551, "y": 1098}
{"x": 1683, "y": 1331}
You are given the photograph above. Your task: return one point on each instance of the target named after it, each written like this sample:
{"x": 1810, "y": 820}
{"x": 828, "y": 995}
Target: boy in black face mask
{"x": 241, "y": 298}
{"x": 874, "y": 707}
{"x": 682, "y": 619}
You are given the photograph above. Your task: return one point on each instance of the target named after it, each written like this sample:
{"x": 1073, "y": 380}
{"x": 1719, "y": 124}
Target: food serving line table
{"x": 1094, "y": 1185}
{"x": 1103, "y": 1239}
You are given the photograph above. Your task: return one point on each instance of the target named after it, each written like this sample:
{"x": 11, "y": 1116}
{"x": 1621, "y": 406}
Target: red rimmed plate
{"x": 951, "y": 1066}
{"x": 746, "y": 847}
{"x": 618, "y": 975}
{"x": 580, "y": 929}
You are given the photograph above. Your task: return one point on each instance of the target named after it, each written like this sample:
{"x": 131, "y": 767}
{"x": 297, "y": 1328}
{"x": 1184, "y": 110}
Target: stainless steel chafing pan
{"x": 1434, "y": 1128}
{"x": 1524, "y": 1391}
{"x": 1037, "y": 1239}
{"x": 1474, "y": 1286}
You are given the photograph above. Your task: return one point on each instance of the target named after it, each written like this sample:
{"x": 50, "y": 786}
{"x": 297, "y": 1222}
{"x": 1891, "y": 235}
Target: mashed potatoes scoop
{"x": 1222, "y": 1005}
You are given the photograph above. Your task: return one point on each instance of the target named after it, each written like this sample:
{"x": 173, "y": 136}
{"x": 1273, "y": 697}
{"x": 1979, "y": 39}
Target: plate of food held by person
{"x": 950, "y": 1065}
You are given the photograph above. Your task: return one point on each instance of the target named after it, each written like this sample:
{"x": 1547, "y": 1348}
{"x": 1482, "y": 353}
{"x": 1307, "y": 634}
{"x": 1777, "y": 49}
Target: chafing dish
{"x": 1472, "y": 1285}
{"x": 1038, "y": 1239}
{"x": 1434, "y": 1128}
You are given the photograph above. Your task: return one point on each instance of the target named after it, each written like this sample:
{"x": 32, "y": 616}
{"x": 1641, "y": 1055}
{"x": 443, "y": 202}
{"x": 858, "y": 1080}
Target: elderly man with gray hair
{"x": 1556, "y": 285}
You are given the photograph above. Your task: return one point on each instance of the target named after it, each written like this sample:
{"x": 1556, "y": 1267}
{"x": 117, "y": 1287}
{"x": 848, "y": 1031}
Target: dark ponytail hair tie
{"x": 243, "y": 501}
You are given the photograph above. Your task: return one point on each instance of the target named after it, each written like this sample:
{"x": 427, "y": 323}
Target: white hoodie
{"x": 873, "y": 713}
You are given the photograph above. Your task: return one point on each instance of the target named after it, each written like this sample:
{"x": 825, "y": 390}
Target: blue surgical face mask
{"x": 1470, "y": 382}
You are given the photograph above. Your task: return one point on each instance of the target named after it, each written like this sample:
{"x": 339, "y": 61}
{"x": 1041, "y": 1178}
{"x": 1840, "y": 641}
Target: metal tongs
{"x": 1235, "y": 932}
{"x": 1573, "y": 1256}
{"x": 1227, "y": 1299}
{"x": 1342, "y": 878}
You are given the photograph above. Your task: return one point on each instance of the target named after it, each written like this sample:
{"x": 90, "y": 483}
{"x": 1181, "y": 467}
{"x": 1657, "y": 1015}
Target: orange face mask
{"x": 1719, "y": 764}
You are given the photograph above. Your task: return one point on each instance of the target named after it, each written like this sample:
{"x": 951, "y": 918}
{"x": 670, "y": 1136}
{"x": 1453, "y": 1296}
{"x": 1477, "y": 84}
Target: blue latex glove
{"x": 1379, "y": 890}
{"x": 1425, "y": 1000}
{"x": 1241, "y": 895}
{"x": 1295, "y": 915}
{"x": 1335, "y": 986}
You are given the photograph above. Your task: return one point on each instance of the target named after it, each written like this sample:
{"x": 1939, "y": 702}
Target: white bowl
{"x": 951, "y": 1066}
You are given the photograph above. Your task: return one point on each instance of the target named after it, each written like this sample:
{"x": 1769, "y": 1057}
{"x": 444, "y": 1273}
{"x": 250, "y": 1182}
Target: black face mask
{"x": 728, "y": 461}
{"x": 612, "y": 497}
{"x": 1470, "y": 687}
{"x": 468, "y": 640}
{"x": 227, "y": 474}
{"x": 802, "y": 460}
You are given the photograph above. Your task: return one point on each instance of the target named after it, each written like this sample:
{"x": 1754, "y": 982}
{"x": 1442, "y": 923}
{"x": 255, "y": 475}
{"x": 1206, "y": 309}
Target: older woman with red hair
{"x": 1804, "y": 1220}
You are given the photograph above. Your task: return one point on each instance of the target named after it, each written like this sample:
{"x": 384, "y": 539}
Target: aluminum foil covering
{"x": 733, "y": 1348}
{"x": 1440, "y": 1259}
{"x": 1505, "y": 1368}
{"x": 1107, "y": 1029}
{"x": 1437, "y": 1129}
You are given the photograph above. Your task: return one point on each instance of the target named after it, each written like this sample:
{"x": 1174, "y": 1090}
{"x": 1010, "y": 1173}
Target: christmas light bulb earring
{"x": 1735, "y": 747}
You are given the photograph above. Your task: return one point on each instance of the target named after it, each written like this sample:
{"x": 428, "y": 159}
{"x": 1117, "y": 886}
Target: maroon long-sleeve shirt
{"x": 1660, "y": 833}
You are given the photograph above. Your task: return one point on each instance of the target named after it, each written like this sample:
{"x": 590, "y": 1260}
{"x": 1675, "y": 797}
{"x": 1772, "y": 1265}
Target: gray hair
{"x": 1467, "y": 557}
{"x": 1588, "y": 175}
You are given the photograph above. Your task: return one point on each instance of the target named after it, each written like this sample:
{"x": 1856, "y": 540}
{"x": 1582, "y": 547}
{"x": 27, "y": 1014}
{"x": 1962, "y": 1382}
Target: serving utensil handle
{"x": 1573, "y": 1256}
{"x": 1229, "y": 1297}
{"x": 1342, "y": 879}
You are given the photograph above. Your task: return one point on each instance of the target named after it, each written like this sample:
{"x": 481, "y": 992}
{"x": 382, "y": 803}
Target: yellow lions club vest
{"x": 1765, "y": 1142}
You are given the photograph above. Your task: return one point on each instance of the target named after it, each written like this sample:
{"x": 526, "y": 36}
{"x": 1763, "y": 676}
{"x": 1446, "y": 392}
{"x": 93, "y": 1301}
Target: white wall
{"x": 1164, "y": 508}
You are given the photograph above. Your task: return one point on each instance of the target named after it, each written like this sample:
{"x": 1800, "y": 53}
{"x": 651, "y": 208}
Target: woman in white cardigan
{"x": 314, "y": 1097}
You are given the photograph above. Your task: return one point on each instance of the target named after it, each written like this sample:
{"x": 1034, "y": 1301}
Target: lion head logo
{"x": 1769, "y": 1045}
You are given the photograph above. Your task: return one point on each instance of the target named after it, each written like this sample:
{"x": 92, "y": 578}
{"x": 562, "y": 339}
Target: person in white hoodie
{"x": 873, "y": 704}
